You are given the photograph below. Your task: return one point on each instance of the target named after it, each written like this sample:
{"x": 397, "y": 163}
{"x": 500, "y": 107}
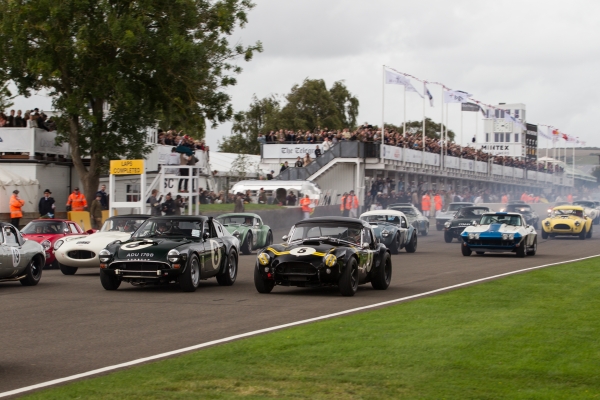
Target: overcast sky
{"x": 545, "y": 54}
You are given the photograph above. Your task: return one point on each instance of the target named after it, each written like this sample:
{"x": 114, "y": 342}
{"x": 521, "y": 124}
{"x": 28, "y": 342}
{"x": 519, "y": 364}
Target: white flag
{"x": 395, "y": 78}
{"x": 456, "y": 96}
{"x": 544, "y": 135}
{"x": 510, "y": 118}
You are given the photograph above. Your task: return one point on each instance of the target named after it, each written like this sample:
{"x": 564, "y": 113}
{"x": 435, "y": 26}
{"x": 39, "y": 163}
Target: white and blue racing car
{"x": 500, "y": 232}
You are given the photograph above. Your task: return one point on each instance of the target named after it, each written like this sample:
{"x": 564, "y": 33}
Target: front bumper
{"x": 136, "y": 271}
{"x": 493, "y": 244}
{"x": 71, "y": 258}
{"x": 455, "y": 231}
{"x": 563, "y": 230}
{"x": 300, "y": 274}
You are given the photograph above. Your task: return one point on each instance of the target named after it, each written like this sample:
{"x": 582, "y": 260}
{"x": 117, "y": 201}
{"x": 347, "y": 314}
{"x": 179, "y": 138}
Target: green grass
{"x": 529, "y": 336}
{"x": 229, "y": 207}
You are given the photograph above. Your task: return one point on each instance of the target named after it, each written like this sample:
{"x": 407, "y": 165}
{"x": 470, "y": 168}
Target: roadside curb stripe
{"x": 271, "y": 329}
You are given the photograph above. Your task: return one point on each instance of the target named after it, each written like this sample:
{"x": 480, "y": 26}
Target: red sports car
{"x": 48, "y": 231}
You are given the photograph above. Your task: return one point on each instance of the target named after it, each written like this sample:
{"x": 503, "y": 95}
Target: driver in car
{"x": 162, "y": 227}
{"x": 353, "y": 235}
{"x": 248, "y": 221}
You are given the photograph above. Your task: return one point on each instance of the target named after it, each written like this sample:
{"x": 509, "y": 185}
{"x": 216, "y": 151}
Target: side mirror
{"x": 365, "y": 245}
{"x": 285, "y": 238}
{"x": 205, "y": 236}
{"x": 474, "y": 223}
{"x": 66, "y": 230}
{"x": 257, "y": 225}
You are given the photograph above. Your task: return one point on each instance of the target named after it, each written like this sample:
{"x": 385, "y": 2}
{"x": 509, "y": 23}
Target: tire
{"x": 522, "y": 249}
{"x": 448, "y": 237}
{"x": 246, "y": 247}
{"x": 426, "y": 231}
{"x": 33, "y": 272}
{"x": 597, "y": 221}
{"x": 411, "y": 247}
{"x": 382, "y": 275}
{"x": 348, "y": 282}
{"x": 544, "y": 235}
{"x": 54, "y": 265}
{"x": 262, "y": 285}
{"x": 466, "y": 251}
{"x": 583, "y": 234}
{"x": 190, "y": 279}
{"x": 590, "y": 232}
{"x": 109, "y": 282}
{"x": 480, "y": 253}
{"x": 229, "y": 275}
{"x": 66, "y": 270}
{"x": 533, "y": 249}
{"x": 439, "y": 227}
{"x": 269, "y": 240}
{"x": 395, "y": 249}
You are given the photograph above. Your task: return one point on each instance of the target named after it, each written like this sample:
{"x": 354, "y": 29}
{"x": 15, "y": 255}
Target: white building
{"x": 505, "y": 138}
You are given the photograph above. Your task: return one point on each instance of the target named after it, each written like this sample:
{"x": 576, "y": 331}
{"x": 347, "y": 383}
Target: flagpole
{"x": 382, "y": 112}
{"x": 442, "y": 152}
{"x": 404, "y": 115}
{"x": 423, "y": 140}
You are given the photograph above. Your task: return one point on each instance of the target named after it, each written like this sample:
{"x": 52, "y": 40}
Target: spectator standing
{"x": 96, "y": 211}
{"x": 284, "y": 166}
{"x": 299, "y": 163}
{"x": 179, "y": 204}
{"x": 326, "y": 145}
{"x": 306, "y": 209}
{"x": 19, "y": 122}
{"x": 183, "y": 182}
{"x": 168, "y": 207}
{"x": 317, "y": 152}
{"x": 291, "y": 199}
{"x": 11, "y": 119}
{"x": 239, "y": 203}
{"x": 437, "y": 199}
{"x": 270, "y": 176}
{"x": 16, "y": 203}
{"x": 426, "y": 204}
{"x": 103, "y": 197}
{"x": 154, "y": 203}
{"x": 352, "y": 205}
{"x": 76, "y": 201}
{"x": 262, "y": 196}
{"x": 343, "y": 205}
{"x": 173, "y": 159}
{"x": 46, "y": 205}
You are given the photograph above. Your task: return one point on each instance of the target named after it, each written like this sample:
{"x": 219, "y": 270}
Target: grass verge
{"x": 529, "y": 336}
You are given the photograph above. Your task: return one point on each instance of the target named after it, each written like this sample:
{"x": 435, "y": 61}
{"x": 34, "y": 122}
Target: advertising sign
{"x": 288, "y": 151}
{"x": 126, "y": 167}
{"x": 392, "y": 153}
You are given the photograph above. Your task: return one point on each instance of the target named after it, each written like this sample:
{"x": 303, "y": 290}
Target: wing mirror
{"x": 365, "y": 245}
{"x": 285, "y": 238}
{"x": 66, "y": 230}
{"x": 474, "y": 223}
{"x": 257, "y": 225}
{"x": 205, "y": 236}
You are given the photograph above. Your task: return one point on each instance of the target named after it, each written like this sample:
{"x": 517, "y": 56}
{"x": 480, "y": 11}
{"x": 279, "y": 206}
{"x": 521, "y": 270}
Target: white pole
{"x": 423, "y": 139}
{"x": 382, "y": 112}
{"x": 404, "y": 115}
{"x": 442, "y": 152}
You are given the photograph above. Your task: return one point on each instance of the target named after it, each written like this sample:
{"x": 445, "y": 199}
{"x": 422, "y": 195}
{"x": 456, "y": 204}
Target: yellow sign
{"x": 126, "y": 167}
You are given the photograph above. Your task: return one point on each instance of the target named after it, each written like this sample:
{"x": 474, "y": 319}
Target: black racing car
{"x": 531, "y": 218}
{"x": 326, "y": 251}
{"x": 463, "y": 218}
{"x": 183, "y": 249}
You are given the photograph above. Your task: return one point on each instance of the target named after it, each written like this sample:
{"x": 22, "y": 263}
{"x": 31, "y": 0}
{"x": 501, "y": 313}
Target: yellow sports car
{"x": 568, "y": 221}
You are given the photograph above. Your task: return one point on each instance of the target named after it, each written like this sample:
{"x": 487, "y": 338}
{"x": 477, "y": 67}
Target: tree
{"x": 347, "y": 105}
{"x": 261, "y": 117}
{"x": 432, "y": 129}
{"x": 5, "y": 97}
{"x": 113, "y": 67}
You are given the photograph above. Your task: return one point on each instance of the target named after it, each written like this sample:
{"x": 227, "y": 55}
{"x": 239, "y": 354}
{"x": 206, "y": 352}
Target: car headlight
{"x": 330, "y": 260}
{"x": 104, "y": 255}
{"x": 508, "y": 236}
{"x": 173, "y": 256}
{"x": 264, "y": 259}
{"x": 471, "y": 235}
{"x": 577, "y": 223}
{"x": 547, "y": 223}
{"x": 384, "y": 233}
{"x": 236, "y": 233}
{"x": 46, "y": 245}
{"x": 58, "y": 243}
{"x": 448, "y": 224}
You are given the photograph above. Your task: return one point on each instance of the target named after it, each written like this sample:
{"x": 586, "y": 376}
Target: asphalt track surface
{"x": 69, "y": 324}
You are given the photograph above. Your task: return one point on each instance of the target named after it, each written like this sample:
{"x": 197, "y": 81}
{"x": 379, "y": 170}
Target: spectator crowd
{"x": 412, "y": 140}
{"x": 31, "y": 119}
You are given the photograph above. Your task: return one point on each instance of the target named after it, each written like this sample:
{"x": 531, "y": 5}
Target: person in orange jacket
{"x": 437, "y": 200}
{"x": 570, "y": 198}
{"x": 426, "y": 204}
{"x": 343, "y": 205}
{"x": 504, "y": 199}
{"x": 305, "y": 204}
{"x": 16, "y": 203}
{"x": 352, "y": 205}
{"x": 77, "y": 201}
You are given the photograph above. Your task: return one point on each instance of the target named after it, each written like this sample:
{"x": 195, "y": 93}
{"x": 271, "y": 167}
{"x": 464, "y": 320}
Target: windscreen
{"x": 406, "y": 210}
{"x": 513, "y": 220}
{"x": 44, "y": 227}
{"x": 121, "y": 225}
{"x": 471, "y": 212}
{"x": 568, "y": 212}
{"x": 346, "y": 232}
{"x": 390, "y": 219}
{"x": 582, "y": 203}
{"x": 519, "y": 208}
{"x": 165, "y": 227}
{"x": 456, "y": 207}
{"x": 235, "y": 220}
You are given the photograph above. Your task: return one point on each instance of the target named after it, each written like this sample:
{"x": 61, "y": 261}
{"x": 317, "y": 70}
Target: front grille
{"x": 139, "y": 266}
{"x": 296, "y": 268}
{"x": 562, "y": 226}
{"x": 81, "y": 254}
{"x": 491, "y": 242}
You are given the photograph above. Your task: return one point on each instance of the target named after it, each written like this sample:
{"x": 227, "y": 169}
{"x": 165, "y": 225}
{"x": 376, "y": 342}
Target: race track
{"x": 70, "y": 324}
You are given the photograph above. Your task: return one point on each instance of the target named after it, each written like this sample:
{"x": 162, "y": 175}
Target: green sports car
{"x": 249, "y": 229}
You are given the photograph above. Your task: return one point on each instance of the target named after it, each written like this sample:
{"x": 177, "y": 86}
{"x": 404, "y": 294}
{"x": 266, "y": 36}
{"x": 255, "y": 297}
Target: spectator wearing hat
{"x": 46, "y": 205}
{"x": 96, "y": 211}
{"x": 76, "y": 201}
{"x": 16, "y": 203}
